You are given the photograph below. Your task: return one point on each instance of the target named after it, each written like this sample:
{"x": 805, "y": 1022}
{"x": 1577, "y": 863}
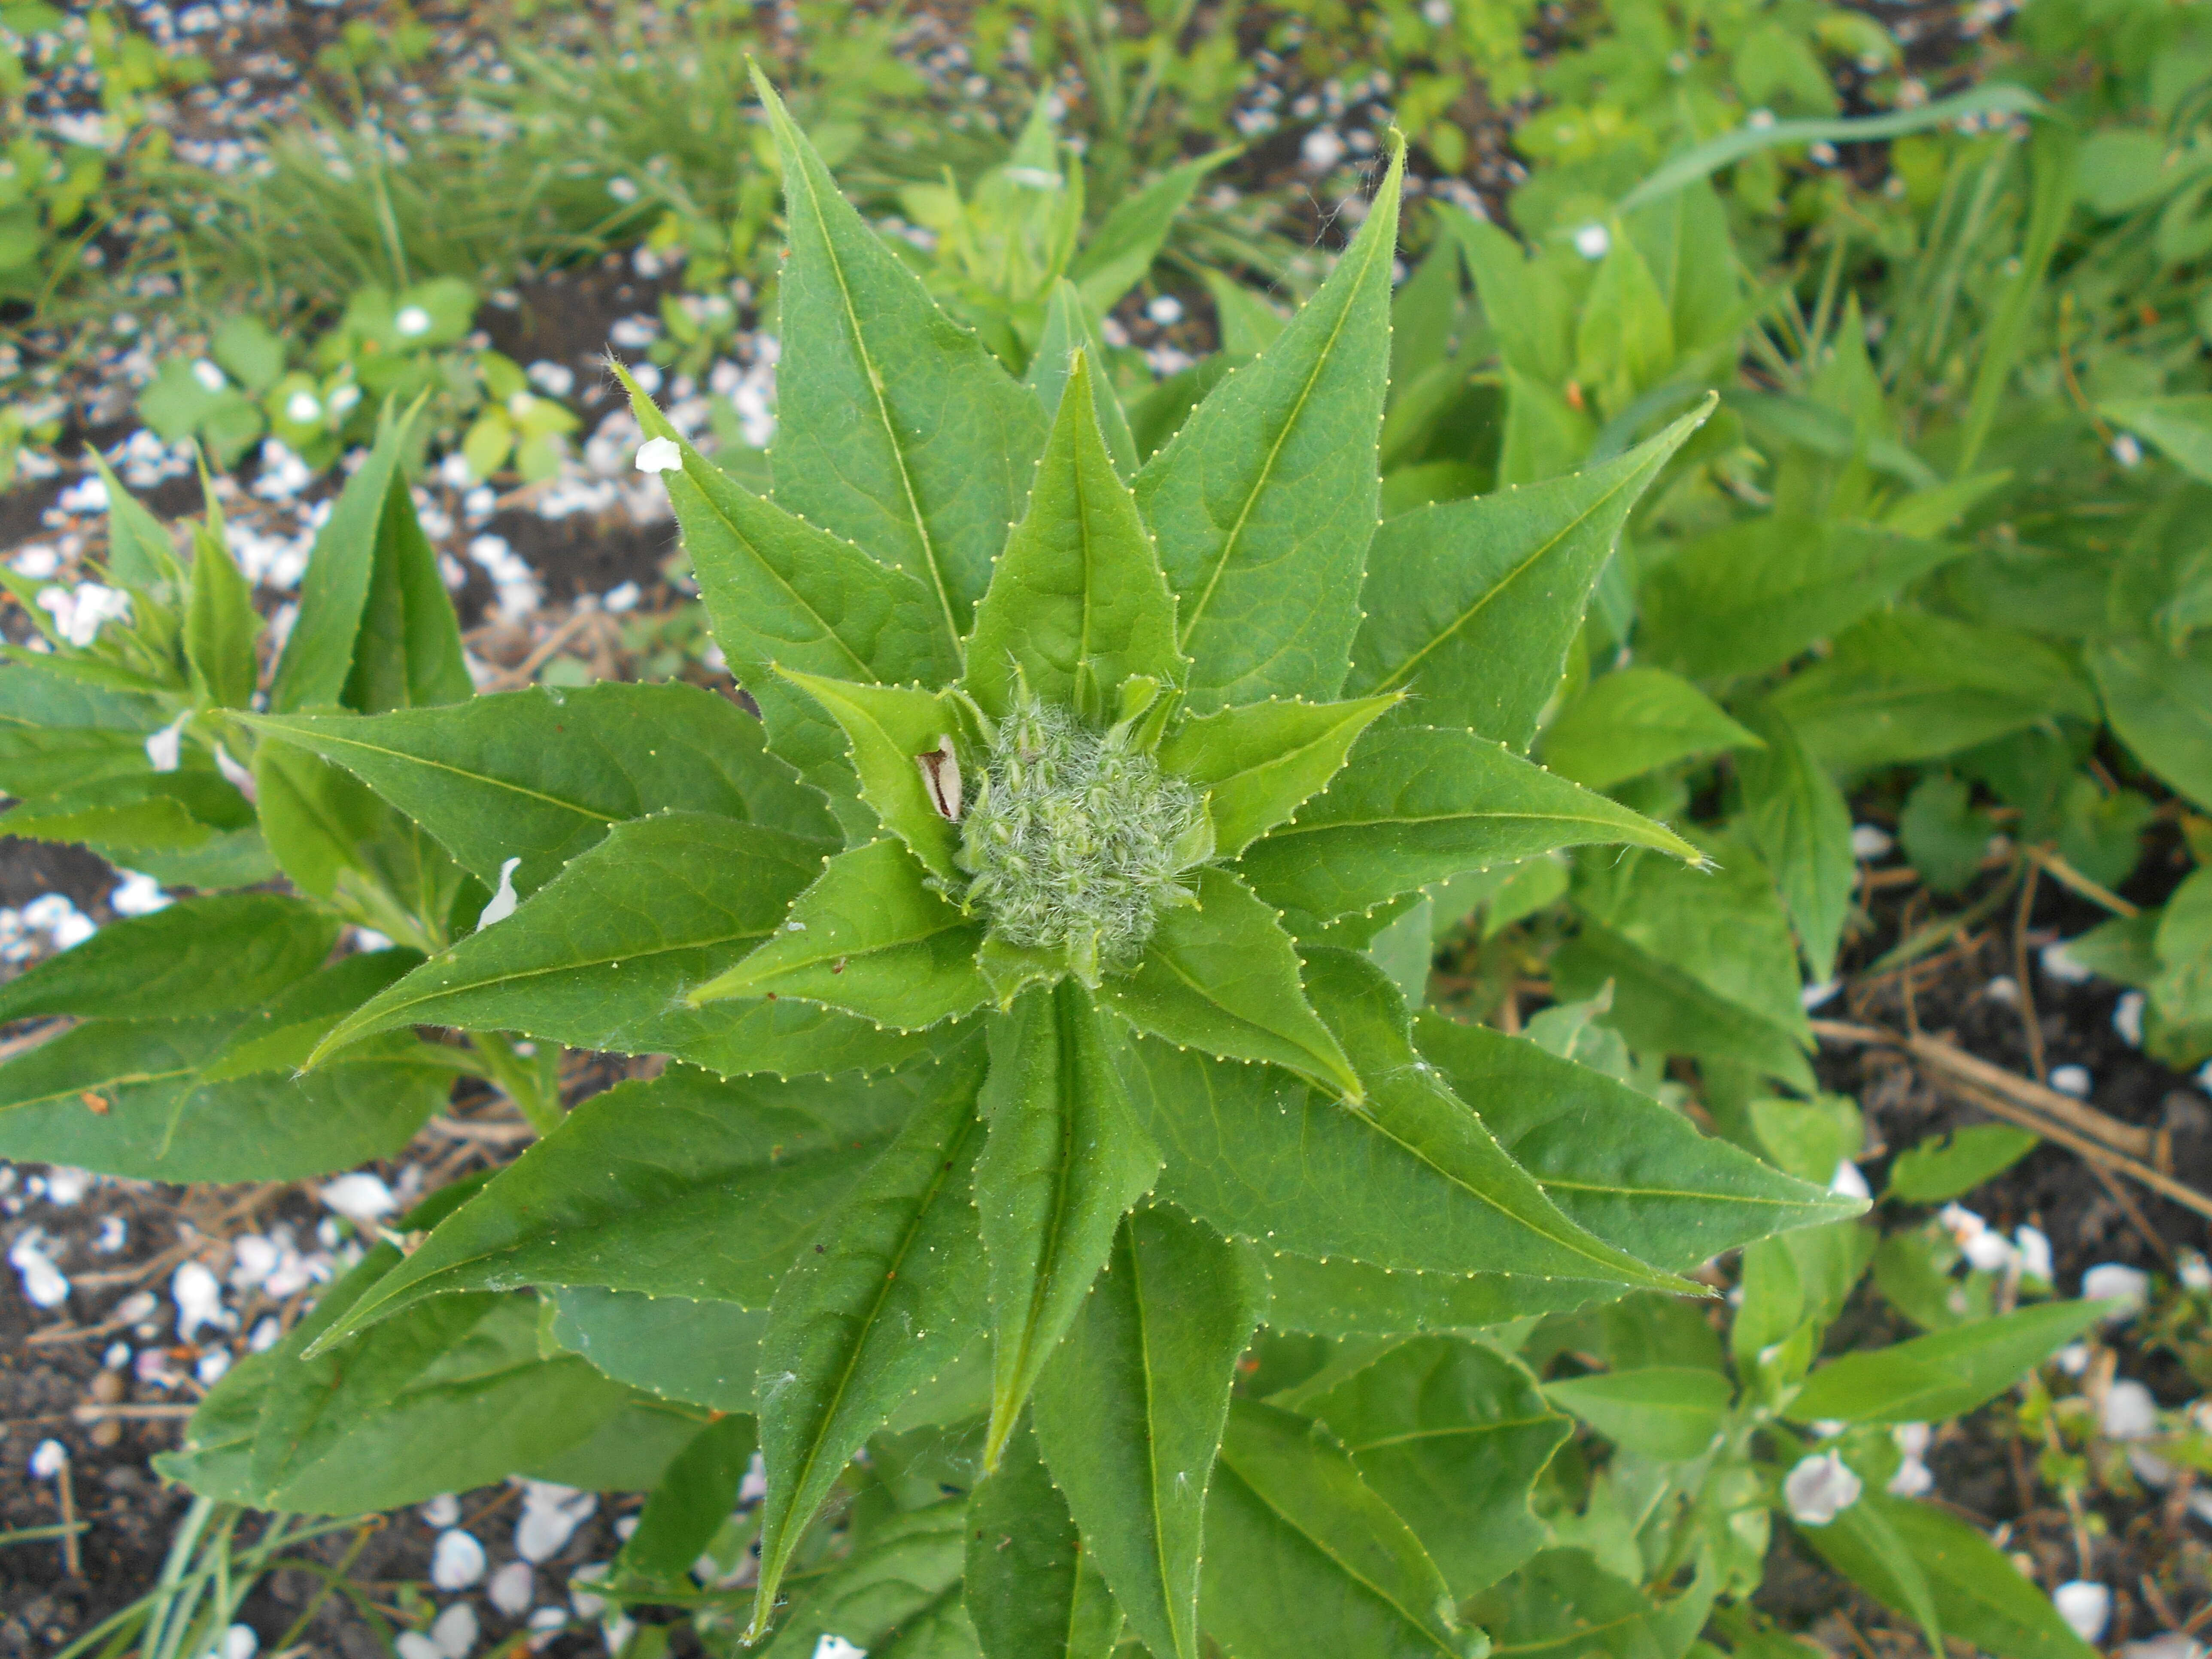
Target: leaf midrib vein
{"x": 1343, "y": 1565}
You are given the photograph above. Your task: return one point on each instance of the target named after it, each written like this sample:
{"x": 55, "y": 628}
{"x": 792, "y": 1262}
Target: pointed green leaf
{"x": 1033, "y": 1586}
{"x": 602, "y": 955}
{"x": 139, "y": 552}
{"x": 1264, "y": 502}
{"x": 1064, "y": 1162}
{"x": 892, "y": 1294}
{"x": 683, "y": 1186}
{"x": 221, "y": 626}
{"x": 541, "y": 776}
{"x": 1452, "y": 1436}
{"x": 1530, "y": 310}
{"x": 1416, "y": 804}
{"x": 1343, "y": 1298}
{"x": 1751, "y": 596}
{"x": 1070, "y": 327}
{"x": 1635, "y": 1172}
{"x": 868, "y": 937}
{"x": 2160, "y": 701}
{"x": 1305, "y": 1561}
{"x": 1564, "y": 1606}
{"x": 1944, "y": 1374}
{"x": 1076, "y": 603}
{"x": 2182, "y": 427}
{"x": 1798, "y": 819}
{"x": 1472, "y": 604}
{"x": 375, "y": 629}
{"x": 1257, "y": 764}
{"x": 1635, "y": 721}
{"x": 204, "y": 956}
{"x": 129, "y": 1099}
{"x": 1129, "y": 1413}
{"x": 1410, "y": 1179}
{"x": 894, "y": 427}
{"x": 689, "y": 1505}
{"x": 280, "y": 1035}
{"x": 1668, "y": 1412}
{"x": 887, "y": 729}
{"x": 702, "y": 1353}
{"x": 1220, "y": 975}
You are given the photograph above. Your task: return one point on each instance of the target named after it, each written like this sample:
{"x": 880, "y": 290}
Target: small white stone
{"x": 2194, "y": 1272}
{"x": 2034, "y": 1249}
{"x": 1913, "y": 1479}
{"x": 1870, "y": 841}
{"x": 359, "y": 1197}
{"x": 2060, "y": 964}
{"x": 138, "y": 896}
{"x": 441, "y": 1512}
{"x": 1849, "y": 1182}
{"x": 198, "y": 1295}
{"x": 2073, "y": 1358}
{"x": 211, "y": 378}
{"x": 659, "y": 455}
{"x": 239, "y": 1641}
{"x": 303, "y": 407}
{"x": 2130, "y": 1412}
{"x": 2086, "y": 1607}
{"x": 48, "y": 1460}
{"x": 2128, "y": 453}
{"x": 1820, "y": 1487}
{"x": 455, "y": 1633}
{"x": 2128, "y": 1018}
{"x": 1165, "y": 310}
{"x": 457, "y": 1560}
{"x": 411, "y": 321}
{"x": 2113, "y": 1282}
{"x": 2073, "y": 1081}
{"x": 512, "y": 1588}
{"x": 1593, "y": 241}
{"x": 413, "y": 1644}
{"x": 836, "y": 1647}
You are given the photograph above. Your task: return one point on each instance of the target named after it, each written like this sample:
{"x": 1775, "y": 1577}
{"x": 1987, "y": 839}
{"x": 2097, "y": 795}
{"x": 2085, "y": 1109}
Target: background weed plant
{"x": 1345, "y": 610}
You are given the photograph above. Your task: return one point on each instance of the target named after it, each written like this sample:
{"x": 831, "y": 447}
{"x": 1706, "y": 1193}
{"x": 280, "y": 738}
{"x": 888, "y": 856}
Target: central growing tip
{"x": 1076, "y": 839}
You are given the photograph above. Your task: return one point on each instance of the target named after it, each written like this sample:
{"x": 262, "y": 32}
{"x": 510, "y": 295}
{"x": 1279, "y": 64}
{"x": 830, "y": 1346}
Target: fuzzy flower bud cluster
{"x": 1076, "y": 839}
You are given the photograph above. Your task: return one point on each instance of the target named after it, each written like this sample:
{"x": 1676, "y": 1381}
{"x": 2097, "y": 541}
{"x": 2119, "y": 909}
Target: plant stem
{"x": 532, "y": 1082}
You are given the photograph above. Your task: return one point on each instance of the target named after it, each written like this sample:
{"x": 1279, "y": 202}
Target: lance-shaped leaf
{"x": 894, "y": 427}
{"x": 1634, "y": 1172}
{"x": 540, "y": 775}
{"x": 1452, "y": 1436}
{"x": 1221, "y": 977}
{"x": 705, "y": 1353}
{"x": 1115, "y": 257}
{"x": 1064, "y": 1162}
{"x": 205, "y": 956}
{"x": 1305, "y": 1561}
{"x": 1343, "y": 1298}
{"x": 602, "y": 955}
{"x": 689, "y": 1505}
{"x": 1033, "y": 1586}
{"x": 133, "y": 1098}
{"x": 1076, "y": 603}
{"x": 1410, "y": 1179}
{"x": 2160, "y": 701}
{"x": 889, "y": 728}
{"x": 892, "y": 1292}
{"x": 1799, "y": 821}
{"x": 376, "y": 629}
{"x": 1264, "y": 502}
{"x": 1417, "y": 804}
{"x": 1070, "y": 327}
{"x": 684, "y": 1186}
{"x": 221, "y": 625}
{"x": 1257, "y": 764}
{"x": 1130, "y": 1411}
{"x": 1472, "y": 604}
{"x": 869, "y": 938}
{"x": 898, "y": 1592}
{"x": 1944, "y": 1373}
{"x": 1635, "y": 721}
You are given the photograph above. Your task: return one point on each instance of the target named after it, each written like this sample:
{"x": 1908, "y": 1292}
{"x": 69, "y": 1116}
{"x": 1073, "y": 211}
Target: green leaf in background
{"x": 1033, "y": 1588}
{"x": 1264, "y": 502}
{"x": 1631, "y": 1170}
{"x": 1342, "y": 1297}
{"x": 897, "y": 1592}
{"x": 1906, "y": 685}
{"x": 1077, "y": 602}
{"x": 2160, "y": 701}
{"x": 1942, "y": 833}
{"x": 140, "y": 552}
{"x": 541, "y": 776}
{"x": 1751, "y": 596}
{"x": 1221, "y": 977}
{"x": 129, "y": 1099}
{"x": 1977, "y": 1593}
{"x": 1564, "y": 1606}
{"x": 1411, "y": 1179}
{"x": 1415, "y": 804}
{"x": 1533, "y": 316}
{"x": 1800, "y": 823}
{"x": 1625, "y": 339}
{"x": 57, "y": 733}
{"x": 1257, "y": 764}
{"x": 280, "y": 1035}
{"x": 602, "y": 955}
{"x": 896, "y": 427}
{"x": 2180, "y": 427}
{"x": 221, "y": 625}
{"x": 1064, "y": 1161}
{"x": 689, "y": 1505}
{"x": 1944, "y": 1374}
{"x": 1941, "y": 1168}
{"x": 1670, "y": 1412}
{"x": 205, "y": 956}
{"x": 1472, "y": 604}
{"x": 893, "y": 1294}
{"x": 1129, "y": 1413}
{"x": 1635, "y": 721}
{"x": 682, "y": 1187}
{"x": 1452, "y": 1436}
{"x": 1291, "y": 1525}
{"x": 701, "y": 1353}
{"x": 869, "y": 938}
{"x": 1114, "y": 257}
